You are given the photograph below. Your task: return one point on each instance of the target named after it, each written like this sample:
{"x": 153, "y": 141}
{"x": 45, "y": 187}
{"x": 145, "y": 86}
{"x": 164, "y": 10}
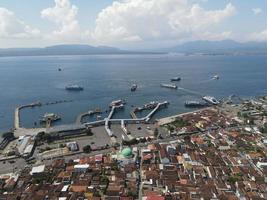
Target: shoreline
{"x": 167, "y": 120}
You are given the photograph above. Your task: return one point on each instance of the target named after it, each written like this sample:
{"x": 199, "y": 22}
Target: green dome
{"x": 127, "y": 152}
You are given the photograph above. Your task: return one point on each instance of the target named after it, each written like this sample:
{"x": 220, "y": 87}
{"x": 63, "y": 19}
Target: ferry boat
{"x": 211, "y": 100}
{"x": 151, "y": 105}
{"x": 50, "y": 117}
{"x": 195, "y": 104}
{"x": 74, "y": 87}
{"x": 117, "y": 103}
{"x": 171, "y": 86}
{"x": 133, "y": 88}
{"x": 176, "y": 79}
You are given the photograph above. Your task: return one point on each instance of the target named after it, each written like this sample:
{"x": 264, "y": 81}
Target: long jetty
{"x": 17, "y": 113}
{"x": 107, "y": 120}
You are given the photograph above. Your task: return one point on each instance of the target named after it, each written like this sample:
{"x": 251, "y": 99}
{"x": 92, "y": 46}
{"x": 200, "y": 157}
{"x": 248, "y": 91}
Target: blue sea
{"x": 105, "y": 78}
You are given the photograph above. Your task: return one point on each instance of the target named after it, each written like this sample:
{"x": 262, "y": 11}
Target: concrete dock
{"x": 17, "y": 113}
{"x": 89, "y": 113}
{"x": 19, "y": 131}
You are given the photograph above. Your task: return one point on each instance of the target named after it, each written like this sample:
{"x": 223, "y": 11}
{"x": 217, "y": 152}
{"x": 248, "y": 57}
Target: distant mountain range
{"x": 202, "y": 47}
{"x": 219, "y": 47}
{"x": 63, "y": 50}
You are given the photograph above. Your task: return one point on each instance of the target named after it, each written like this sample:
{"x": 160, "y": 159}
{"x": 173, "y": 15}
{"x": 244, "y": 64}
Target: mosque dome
{"x": 127, "y": 152}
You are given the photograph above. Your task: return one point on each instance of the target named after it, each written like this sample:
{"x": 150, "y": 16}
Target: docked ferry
{"x": 117, "y": 103}
{"x": 50, "y": 117}
{"x": 211, "y": 100}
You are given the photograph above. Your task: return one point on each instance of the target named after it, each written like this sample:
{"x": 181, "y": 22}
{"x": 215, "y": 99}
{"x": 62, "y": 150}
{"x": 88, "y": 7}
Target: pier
{"x": 19, "y": 131}
{"x": 89, "y": 113}
{"x": 124, "y": 129}
{"x": 108, "y": 120}
{"x": 109, "y": 131}
{"x": 17, "y": 113}
{"x": 133, "y": 115}
{"x": 148, "y": 117}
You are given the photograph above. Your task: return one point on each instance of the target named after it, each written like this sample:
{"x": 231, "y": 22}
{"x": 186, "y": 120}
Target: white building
{"x": 37, "y": 170}
{"x": 73, "y": 146}
{"x": 81, "y": 168}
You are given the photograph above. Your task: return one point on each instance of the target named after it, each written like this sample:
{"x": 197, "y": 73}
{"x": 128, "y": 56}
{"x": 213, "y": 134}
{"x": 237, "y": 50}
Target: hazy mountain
{"x": 63, "y": 50}
{"x": 224, "y": 46}
{"x": 203, "y": 47}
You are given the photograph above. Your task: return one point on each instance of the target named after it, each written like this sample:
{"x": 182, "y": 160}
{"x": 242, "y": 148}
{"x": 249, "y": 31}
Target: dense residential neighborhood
{"x": 214, "y": 153}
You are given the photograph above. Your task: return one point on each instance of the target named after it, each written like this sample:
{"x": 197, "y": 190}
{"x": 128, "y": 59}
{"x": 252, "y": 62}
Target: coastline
{"x": 167, "y": 120}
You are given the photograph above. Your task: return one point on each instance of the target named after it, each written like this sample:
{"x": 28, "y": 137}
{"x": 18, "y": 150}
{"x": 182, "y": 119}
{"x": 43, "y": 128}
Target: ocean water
{"x": 105, "y": 78}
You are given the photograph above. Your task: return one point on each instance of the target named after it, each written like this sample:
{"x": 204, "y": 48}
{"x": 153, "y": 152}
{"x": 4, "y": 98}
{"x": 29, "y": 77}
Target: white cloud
{"x": 63, "y": 14}
{"x": 125, "y": 22}
{"x": 146, "y": 20}
{"x": 258, "y": 36}
{"x": 13, "y": 27}
{"x": 257, "y": 11}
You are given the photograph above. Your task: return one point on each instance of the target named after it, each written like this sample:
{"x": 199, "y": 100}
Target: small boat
{"x": 74, "y": 88}
{"x": 176, "y": 79}
{"x": 59, "y": 69}
{"x": 117, "y": 103}
{"x": 133, "y": 88}
{"x": 215, "y": 77}
{"x": 151, "y": 105}
{"x": 171, "y": 86}
{"x": 211, "y": 100}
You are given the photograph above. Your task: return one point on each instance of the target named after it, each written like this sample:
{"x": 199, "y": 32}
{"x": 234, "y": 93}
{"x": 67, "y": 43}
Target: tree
{"x": 89, "y": 132}
{"x": 8, "y": 135}
{"x": 104, "y": 180}
{"x": 42, "y": 136}
{"x": 133, "y": 194}
{"x": 187, "y": 139}
{"x": 156, "y": 132}
{"x": 264, "y": 128}
{"x": 87, "y": 149}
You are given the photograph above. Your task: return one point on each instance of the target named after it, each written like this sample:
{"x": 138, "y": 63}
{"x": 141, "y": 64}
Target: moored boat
{"x": 211, "y": 100}
{"x": 74, "y": 87}
{"x": 50, "y": 117}
{"x": 176, "y": 79}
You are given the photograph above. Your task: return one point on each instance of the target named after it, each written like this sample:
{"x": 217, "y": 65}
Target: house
{"x": 73, "y": 146}
{"x": 81, "y": 168}
{"x": 163, "y": 156}
{"x": 38, "y": 170}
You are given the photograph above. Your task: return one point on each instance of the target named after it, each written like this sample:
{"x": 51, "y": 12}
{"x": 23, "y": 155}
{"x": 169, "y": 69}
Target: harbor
{"x": 78, "y": 125}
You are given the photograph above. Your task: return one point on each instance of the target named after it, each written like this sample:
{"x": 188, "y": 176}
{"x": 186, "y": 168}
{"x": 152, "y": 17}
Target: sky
{"x": 129, "y": 24}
